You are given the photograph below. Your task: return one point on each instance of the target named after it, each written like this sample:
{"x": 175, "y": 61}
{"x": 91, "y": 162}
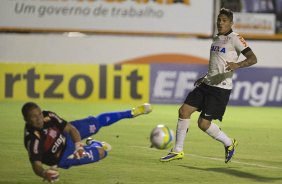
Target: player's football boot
{"x": 106, "y": 146}
{"x": 172, "y": 156}
{"x": 229, "y": 150}
{"x": 142, "y": 109}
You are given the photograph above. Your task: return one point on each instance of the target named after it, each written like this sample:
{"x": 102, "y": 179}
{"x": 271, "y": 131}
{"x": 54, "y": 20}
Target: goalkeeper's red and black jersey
{"x": 47, "y": 144}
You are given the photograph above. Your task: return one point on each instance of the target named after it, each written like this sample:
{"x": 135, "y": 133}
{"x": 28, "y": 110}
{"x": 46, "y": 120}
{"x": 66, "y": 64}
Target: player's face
{"x": 224, "y": 24}
{"x": 35, "y": 118}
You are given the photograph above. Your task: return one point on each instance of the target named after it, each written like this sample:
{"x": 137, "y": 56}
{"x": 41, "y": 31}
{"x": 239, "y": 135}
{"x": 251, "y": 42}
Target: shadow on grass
{"x": 237, "y": 173}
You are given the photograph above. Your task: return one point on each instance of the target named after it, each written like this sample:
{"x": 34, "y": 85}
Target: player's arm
{"x": 250, "y": 60}
{"x": 38, "y": 168}
{"x": 47, "y": 174}
{"x": 199, "y": 81}
{"x": 35, "y": 156}
{"x": 74, "y": 133}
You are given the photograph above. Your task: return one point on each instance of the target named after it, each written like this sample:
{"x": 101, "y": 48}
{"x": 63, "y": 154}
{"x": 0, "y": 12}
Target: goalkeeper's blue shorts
{"x": 86, "y": 128}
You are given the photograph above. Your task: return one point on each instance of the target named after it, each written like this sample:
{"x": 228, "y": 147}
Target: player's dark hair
{"x": 28, "y": 107}
{"x": 226, "y": 12}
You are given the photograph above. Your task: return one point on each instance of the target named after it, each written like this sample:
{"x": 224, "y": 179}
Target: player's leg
{"x": 95, "y": 150}
{"x": 191, "y": 104}
{"x": 95, "y": 153}
{"x": 90, "y": 141}
{"x": 216, "y": 101}
{"x": 109, "y": 118}
{"x": 183, "y": 124}
{"x": 215, "y": 132}
{"x": 91, "y": 125}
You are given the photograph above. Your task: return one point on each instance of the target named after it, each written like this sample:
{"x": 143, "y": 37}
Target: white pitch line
{"x": 218, "y": 159}
{"x": 237, "y": 162}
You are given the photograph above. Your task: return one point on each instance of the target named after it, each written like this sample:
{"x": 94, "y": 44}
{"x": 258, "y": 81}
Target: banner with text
{"x": 120, "y": 16}
{"x": 154, "y": 83}
{"x": 251, "y": 86}
{"x": 74, "y": 82}
{"x": 254, "y": 23}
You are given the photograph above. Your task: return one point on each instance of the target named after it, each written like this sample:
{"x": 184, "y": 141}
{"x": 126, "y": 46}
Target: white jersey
{"x": 224, "y": 48}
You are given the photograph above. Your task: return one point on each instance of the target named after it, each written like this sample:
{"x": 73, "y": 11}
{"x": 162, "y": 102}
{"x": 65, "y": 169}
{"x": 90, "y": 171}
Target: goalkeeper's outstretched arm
{"x": 49, "y": 175}
{"x": 76, "y": 138}
{"x": 38, "y": 168}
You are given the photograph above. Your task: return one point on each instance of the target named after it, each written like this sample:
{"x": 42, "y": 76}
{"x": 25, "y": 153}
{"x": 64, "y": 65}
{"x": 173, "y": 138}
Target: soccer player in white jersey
{"x": 211, "y": 94}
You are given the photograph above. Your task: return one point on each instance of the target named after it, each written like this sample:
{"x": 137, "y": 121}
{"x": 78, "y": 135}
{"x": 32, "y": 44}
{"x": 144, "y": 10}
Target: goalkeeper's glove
{"x": 79, "y": 151}
{"x": 50, "y": 175}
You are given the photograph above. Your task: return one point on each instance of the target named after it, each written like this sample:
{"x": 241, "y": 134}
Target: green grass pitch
{"x": 258, "y": 156}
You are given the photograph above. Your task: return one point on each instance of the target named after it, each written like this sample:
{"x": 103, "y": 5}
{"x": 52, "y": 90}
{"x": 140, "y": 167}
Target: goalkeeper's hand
{"x": 50, "y": 175}
{"x": 79, "y": 151}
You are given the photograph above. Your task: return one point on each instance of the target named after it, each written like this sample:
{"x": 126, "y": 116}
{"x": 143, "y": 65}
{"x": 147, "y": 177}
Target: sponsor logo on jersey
{"x": 53, "y": 133}
{"x": 217, "y": 49}
{"x": 58, "y": 143}
{"x": 242, "y": 40}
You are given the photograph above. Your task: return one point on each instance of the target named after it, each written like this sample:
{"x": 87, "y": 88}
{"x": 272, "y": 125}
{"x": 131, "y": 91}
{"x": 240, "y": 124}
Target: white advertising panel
{"x": 254, "y": 23}
{"x": 121, "y": 16}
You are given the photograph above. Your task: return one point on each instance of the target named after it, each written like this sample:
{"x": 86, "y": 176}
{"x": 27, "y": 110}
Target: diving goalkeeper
{"x": 52, "y": 141}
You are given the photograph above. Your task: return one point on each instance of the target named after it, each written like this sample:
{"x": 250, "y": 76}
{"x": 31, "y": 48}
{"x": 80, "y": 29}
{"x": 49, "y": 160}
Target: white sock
{"x": 219, "y": 135}
{"x": 182, "y": 128}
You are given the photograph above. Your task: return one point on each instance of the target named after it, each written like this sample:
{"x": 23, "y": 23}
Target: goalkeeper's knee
{"x": 97, "y": 150}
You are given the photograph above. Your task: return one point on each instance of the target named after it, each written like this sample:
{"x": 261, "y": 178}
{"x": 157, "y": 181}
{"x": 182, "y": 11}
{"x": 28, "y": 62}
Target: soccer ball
{"x": 162, "y": 137}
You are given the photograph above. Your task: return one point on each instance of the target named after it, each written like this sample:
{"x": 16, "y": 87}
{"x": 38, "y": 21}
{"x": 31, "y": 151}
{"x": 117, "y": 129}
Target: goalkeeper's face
{"x": 35, "y": 118}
